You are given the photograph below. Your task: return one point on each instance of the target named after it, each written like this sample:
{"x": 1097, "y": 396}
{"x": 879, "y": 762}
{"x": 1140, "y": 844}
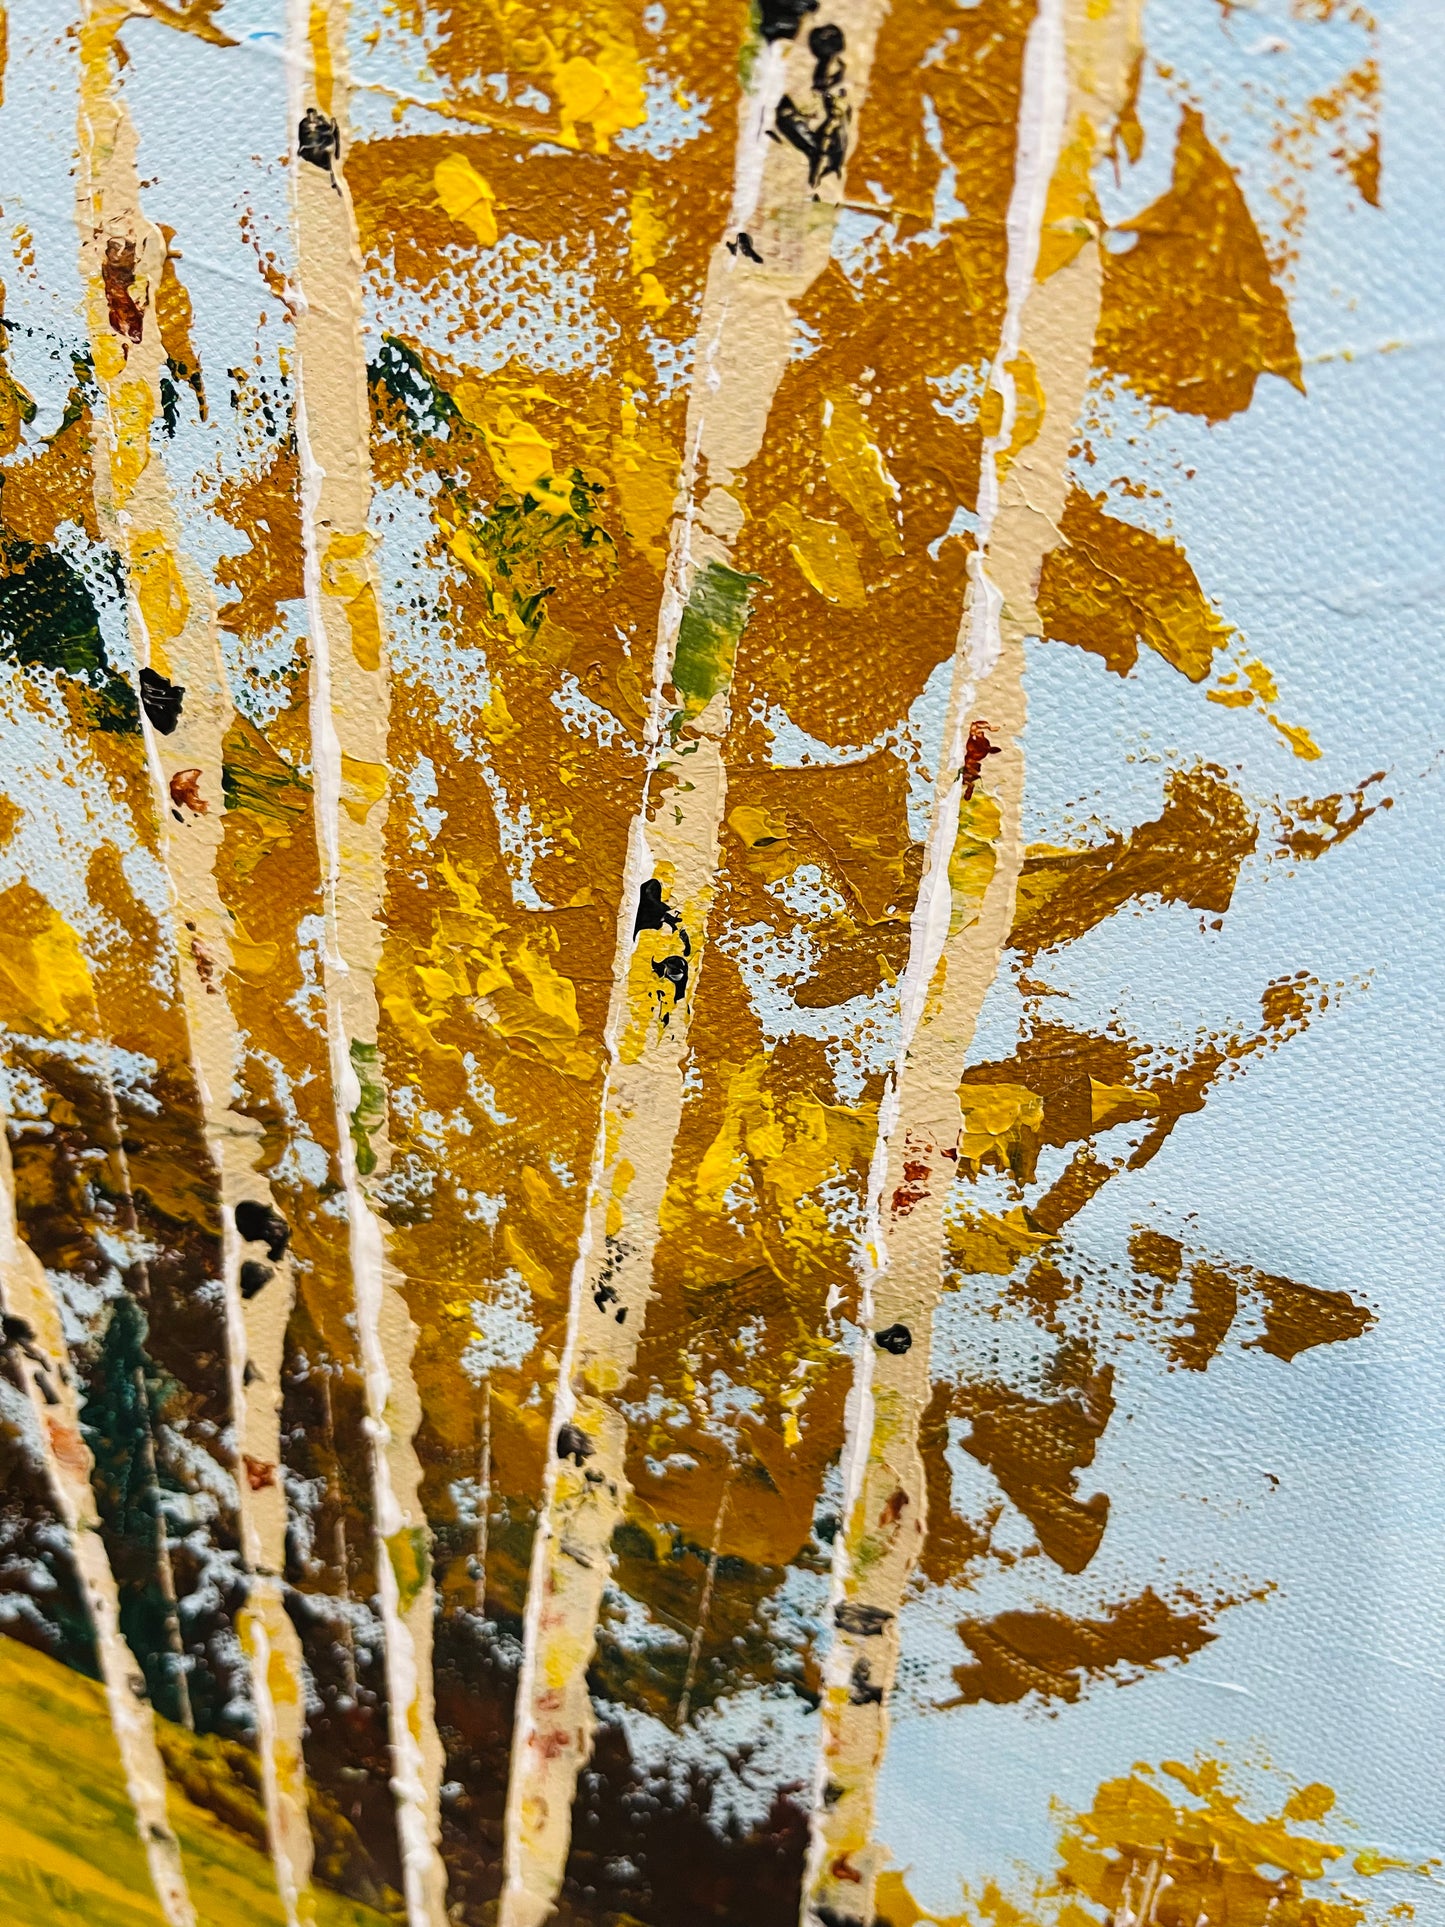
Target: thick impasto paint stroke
{"x": 349, "y": 713}
{"x": 779, "y": 239}
{"x": 493, "y": 1098}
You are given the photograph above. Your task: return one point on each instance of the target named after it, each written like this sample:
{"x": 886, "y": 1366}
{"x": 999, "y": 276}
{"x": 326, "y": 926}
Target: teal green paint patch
{"x": 370, "y": 1111}
{"x": 255, "y": 778}
{"x": 707, "y": 640}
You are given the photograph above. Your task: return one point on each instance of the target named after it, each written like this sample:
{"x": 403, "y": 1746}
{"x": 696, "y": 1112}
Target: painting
{"x": 723, "y": 758}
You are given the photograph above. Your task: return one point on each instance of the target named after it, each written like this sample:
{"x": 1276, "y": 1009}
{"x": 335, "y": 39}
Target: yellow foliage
{"x": 855, "y": 470}
{"x": 535, "y": 1275}
{"x": 647, "y": 230}
{"x": 363, "y": 785}
{"x": 788, "y": 1148}
{"x": 757, "y": 827}
{"x": 1300, "y": 741}
{"x": 543, "y": 1014}
{"x": 984, "y": 1243}
{"x": 825, "y": 554}
{"x": 251, "y": 958}
{"x": 44, "y": 978}
{"x": 651, "y": 295}
{"x": 606, "y": 92}
{"x": 1071, "y": 215}
{"x": 344, "y": 576}
{"x": 1107, "y": 1101}
{"x": 644, "y": 472}
{"x": 995, "y": 1117}
{"x": 974, "y": 860}
{"x": 467, "y": 197}
{"x": 522, "y": 458}
{"x": 164, "y": 605}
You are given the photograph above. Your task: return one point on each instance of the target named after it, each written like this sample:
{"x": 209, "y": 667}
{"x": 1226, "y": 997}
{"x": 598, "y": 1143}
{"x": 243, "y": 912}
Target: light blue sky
{"x": 1315, "y": 523}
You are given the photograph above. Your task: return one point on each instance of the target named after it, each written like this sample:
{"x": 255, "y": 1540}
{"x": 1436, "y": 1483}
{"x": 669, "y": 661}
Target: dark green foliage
{"x": 398, "y": 377}
{"x": 126, "y": 1403}
{"x": 48, "y": 621}
{"x": 524, "y": 543}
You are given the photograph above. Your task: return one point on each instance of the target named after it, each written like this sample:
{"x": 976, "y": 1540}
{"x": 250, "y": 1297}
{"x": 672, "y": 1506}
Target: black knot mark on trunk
{"x": 895, "y": 1339}
{"x": 864, "y": 1622}
{"x": 823, "y": 140}
{"x": 254, "y": 1277}
{"x": 674, "y": 971}
{"x": 781, "y": 19}
{"x": 259, "y": 1224}
{"x": 161, "y": 700}
{"x": 573, "y": 1443}
{"x": 653, "y": 912}
{"x": 861, "y": 1690}
{"x": 318, "y": 139}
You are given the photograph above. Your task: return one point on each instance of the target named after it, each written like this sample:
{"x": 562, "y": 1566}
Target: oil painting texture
{"x": 720, "y": 949}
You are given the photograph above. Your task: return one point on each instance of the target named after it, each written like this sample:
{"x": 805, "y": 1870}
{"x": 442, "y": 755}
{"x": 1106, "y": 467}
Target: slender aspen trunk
{"x": 349, "y": 730}
{"x": 1076, "y": 68}
{"x": 26, "y": 1297}
{"x": 186, "y": 710}
{"x": 779, "y": 240}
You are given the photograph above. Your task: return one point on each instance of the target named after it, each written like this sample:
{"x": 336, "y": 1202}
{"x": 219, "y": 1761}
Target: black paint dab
{"x": 258, "y": 1224}
{"x": 743, "y": 245}
{"x": 781, "y": 19}
{"x": 318, "y": 139}
{"x": 573, "y": 1443}
{"x": 895, "y": 1339}
{"x": 161, "y": 700}
{"x": 254, "y": 1277}
{"x": 861, "y": 1689}
{"x": 653, "y": 913}
{"x": 824, "y": 141}
{"x": 674, "y": 971}
{"x": 864, "y": 1622}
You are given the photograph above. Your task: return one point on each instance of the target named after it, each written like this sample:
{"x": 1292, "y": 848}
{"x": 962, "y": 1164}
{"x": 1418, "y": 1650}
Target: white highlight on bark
{"x": 1076, "y": 61}
{"x": 26, "y": 1295}
{"x": 349, "y": 720}
{"x": 136, "y": 509}
{"x": 744, "y": 338}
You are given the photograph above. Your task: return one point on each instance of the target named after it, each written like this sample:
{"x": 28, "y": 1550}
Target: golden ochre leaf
{"x": 856, "y": 470}
{"x": 467, "y": 197}
{"x": 1110, "y": 585}
{"x": 982, "y": 1242}
{"x": 995, "y": 1118}
{"x": 1190, "y": 853}
{"x": 824, "y": 553}
{"x": 44, "y": 978}
{"x": 1192, "y": 314}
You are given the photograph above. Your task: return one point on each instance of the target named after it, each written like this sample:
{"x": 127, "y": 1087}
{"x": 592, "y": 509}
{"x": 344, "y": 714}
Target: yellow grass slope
{"x": 68, "y": 1844}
